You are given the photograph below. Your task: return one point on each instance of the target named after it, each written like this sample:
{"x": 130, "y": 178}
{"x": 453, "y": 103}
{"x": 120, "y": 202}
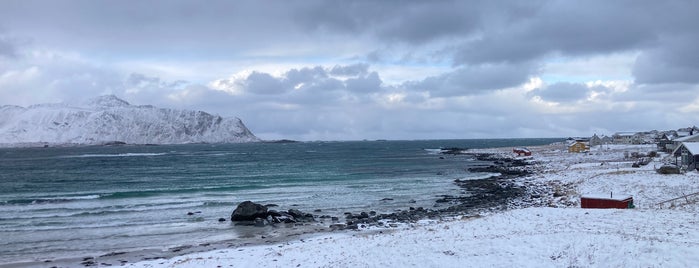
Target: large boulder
{"x": 248, "y": 211}
{"x": 300, "y": 216}
{"x": 669, "y": 169}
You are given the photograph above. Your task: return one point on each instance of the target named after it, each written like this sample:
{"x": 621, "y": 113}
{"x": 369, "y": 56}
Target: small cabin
{"x": 606, "y": 201}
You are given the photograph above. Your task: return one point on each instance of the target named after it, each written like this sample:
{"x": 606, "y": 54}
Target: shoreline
{"x": 544, "y": 218}
{"x": 447, "y": 207}
{"x": 548, "y": 230}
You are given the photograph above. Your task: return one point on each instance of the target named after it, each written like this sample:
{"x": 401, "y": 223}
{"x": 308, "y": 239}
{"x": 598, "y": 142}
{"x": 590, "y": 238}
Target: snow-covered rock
{"x": 107, "y": 119}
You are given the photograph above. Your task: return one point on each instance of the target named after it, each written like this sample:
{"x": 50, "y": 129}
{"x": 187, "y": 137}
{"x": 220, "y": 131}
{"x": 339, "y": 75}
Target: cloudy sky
{"x": 347, "y": 70}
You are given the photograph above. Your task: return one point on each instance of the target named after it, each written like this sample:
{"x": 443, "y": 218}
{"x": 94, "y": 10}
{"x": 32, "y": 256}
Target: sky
{"x": 352, "y": 70}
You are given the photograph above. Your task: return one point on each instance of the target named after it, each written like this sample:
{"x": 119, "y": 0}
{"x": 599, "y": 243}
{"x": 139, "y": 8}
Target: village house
{"x": 664, "y": 143}
{"x": 578, "y": 147}
{"x": 688, "y": 152}
{"x": 595, "y": 140}
{"x": 625, "y": 138}
{"x": 678, "y": 141}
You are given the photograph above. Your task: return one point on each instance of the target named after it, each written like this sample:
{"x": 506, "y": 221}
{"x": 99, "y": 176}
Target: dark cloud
{"x": 150, "y": 28}
{"x": 469, "y": 80}
{"x": 7, "y": 47}
{"x": 562, "y": 92}
{"x": 677, "y": 61}
{"x": 350, "y": 70}
{"x": 310, "y": 76}
{"x": 569, "y": 28}
{"x": 369, "y": 83}
{"x": 669, "y": 94}
{"x": 262, "y": 83}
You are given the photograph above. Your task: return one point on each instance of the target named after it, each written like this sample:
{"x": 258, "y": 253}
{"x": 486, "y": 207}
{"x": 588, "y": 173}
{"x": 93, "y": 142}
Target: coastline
{"x": 548, "y": 208}
{"x": 553, "y": 232}
{"x": 445, "y": 207}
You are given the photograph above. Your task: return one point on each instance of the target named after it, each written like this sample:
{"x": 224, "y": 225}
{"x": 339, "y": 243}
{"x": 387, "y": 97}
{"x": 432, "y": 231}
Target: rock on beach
{"x": 248, "y": 211}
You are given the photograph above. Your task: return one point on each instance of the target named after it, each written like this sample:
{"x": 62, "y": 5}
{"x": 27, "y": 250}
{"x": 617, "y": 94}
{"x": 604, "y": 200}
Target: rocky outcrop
{"x": 248, "y": 211}
{"x": 255, "y": 214}
{"x": 493, "y": 192}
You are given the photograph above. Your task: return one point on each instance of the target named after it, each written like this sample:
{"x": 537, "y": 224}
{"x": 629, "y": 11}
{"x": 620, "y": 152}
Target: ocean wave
{"x": 219, "y": 204}
{"x": 113, "y": 155}
{"x": 50, "y": 200}
{"x": 433, "y": 151}
{"x": 150, "y": 193}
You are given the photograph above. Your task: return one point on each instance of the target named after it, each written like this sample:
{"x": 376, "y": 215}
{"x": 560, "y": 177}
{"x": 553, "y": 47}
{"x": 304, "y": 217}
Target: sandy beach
{"x": 556, "y": 233}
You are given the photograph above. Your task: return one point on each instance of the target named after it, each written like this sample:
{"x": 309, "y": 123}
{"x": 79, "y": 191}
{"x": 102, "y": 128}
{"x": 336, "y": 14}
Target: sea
{"x": 59, "y": 202}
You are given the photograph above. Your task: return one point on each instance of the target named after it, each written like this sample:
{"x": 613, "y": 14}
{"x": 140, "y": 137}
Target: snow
{"x": 692, "y": 147}
{"x": 558, "y": 235}
{"x": 108, "y": 119}
{"x": 691, "y": 138}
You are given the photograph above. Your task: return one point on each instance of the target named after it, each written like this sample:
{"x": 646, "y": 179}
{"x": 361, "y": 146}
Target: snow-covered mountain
{"x": 110, "y": 119}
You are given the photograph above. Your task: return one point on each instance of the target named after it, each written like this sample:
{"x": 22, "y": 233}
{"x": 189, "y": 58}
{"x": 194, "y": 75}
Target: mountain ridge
{"x": 109, "y": 119}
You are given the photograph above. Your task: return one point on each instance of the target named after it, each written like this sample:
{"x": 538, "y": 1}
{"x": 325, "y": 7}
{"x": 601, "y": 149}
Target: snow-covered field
{"x": 559, "y": 234}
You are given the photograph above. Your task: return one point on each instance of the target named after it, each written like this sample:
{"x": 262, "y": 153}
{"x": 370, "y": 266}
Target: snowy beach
{"x": 554, "y": 233}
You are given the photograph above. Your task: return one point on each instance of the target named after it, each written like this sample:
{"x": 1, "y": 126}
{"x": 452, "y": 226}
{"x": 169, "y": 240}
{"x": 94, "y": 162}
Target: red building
{"x": 522, "y": 151}
{"x": 606, "y": 201}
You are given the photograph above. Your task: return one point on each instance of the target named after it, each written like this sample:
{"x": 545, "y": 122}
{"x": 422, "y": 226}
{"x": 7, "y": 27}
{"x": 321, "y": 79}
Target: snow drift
{"x": 108, "y": 119}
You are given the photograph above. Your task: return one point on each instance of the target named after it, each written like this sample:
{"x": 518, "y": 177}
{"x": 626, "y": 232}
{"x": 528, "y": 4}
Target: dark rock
{"x": 274, "y": 213}
{"x": 387, "y": 199}
{"x": 285, "y": 218}
{"x": 363, "y": 215}
{"x": 296, "y": 213}
{"x": 335, "y": 219}
{"x": 221, "y": 219}
{"x": 248, "y": 211}
{"x": 300, "y": 216}
{"x": 271, "y": 205}
{"x": 260, "y": 222}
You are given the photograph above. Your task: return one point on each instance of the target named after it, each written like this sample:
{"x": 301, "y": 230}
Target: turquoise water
{"x": 57, "y": 202}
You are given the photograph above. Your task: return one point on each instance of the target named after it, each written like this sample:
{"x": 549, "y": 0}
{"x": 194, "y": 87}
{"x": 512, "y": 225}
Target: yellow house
{"x": 578, "y": 147}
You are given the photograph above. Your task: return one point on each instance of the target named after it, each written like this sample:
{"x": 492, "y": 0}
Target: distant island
{"x": 111, "y": 120}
